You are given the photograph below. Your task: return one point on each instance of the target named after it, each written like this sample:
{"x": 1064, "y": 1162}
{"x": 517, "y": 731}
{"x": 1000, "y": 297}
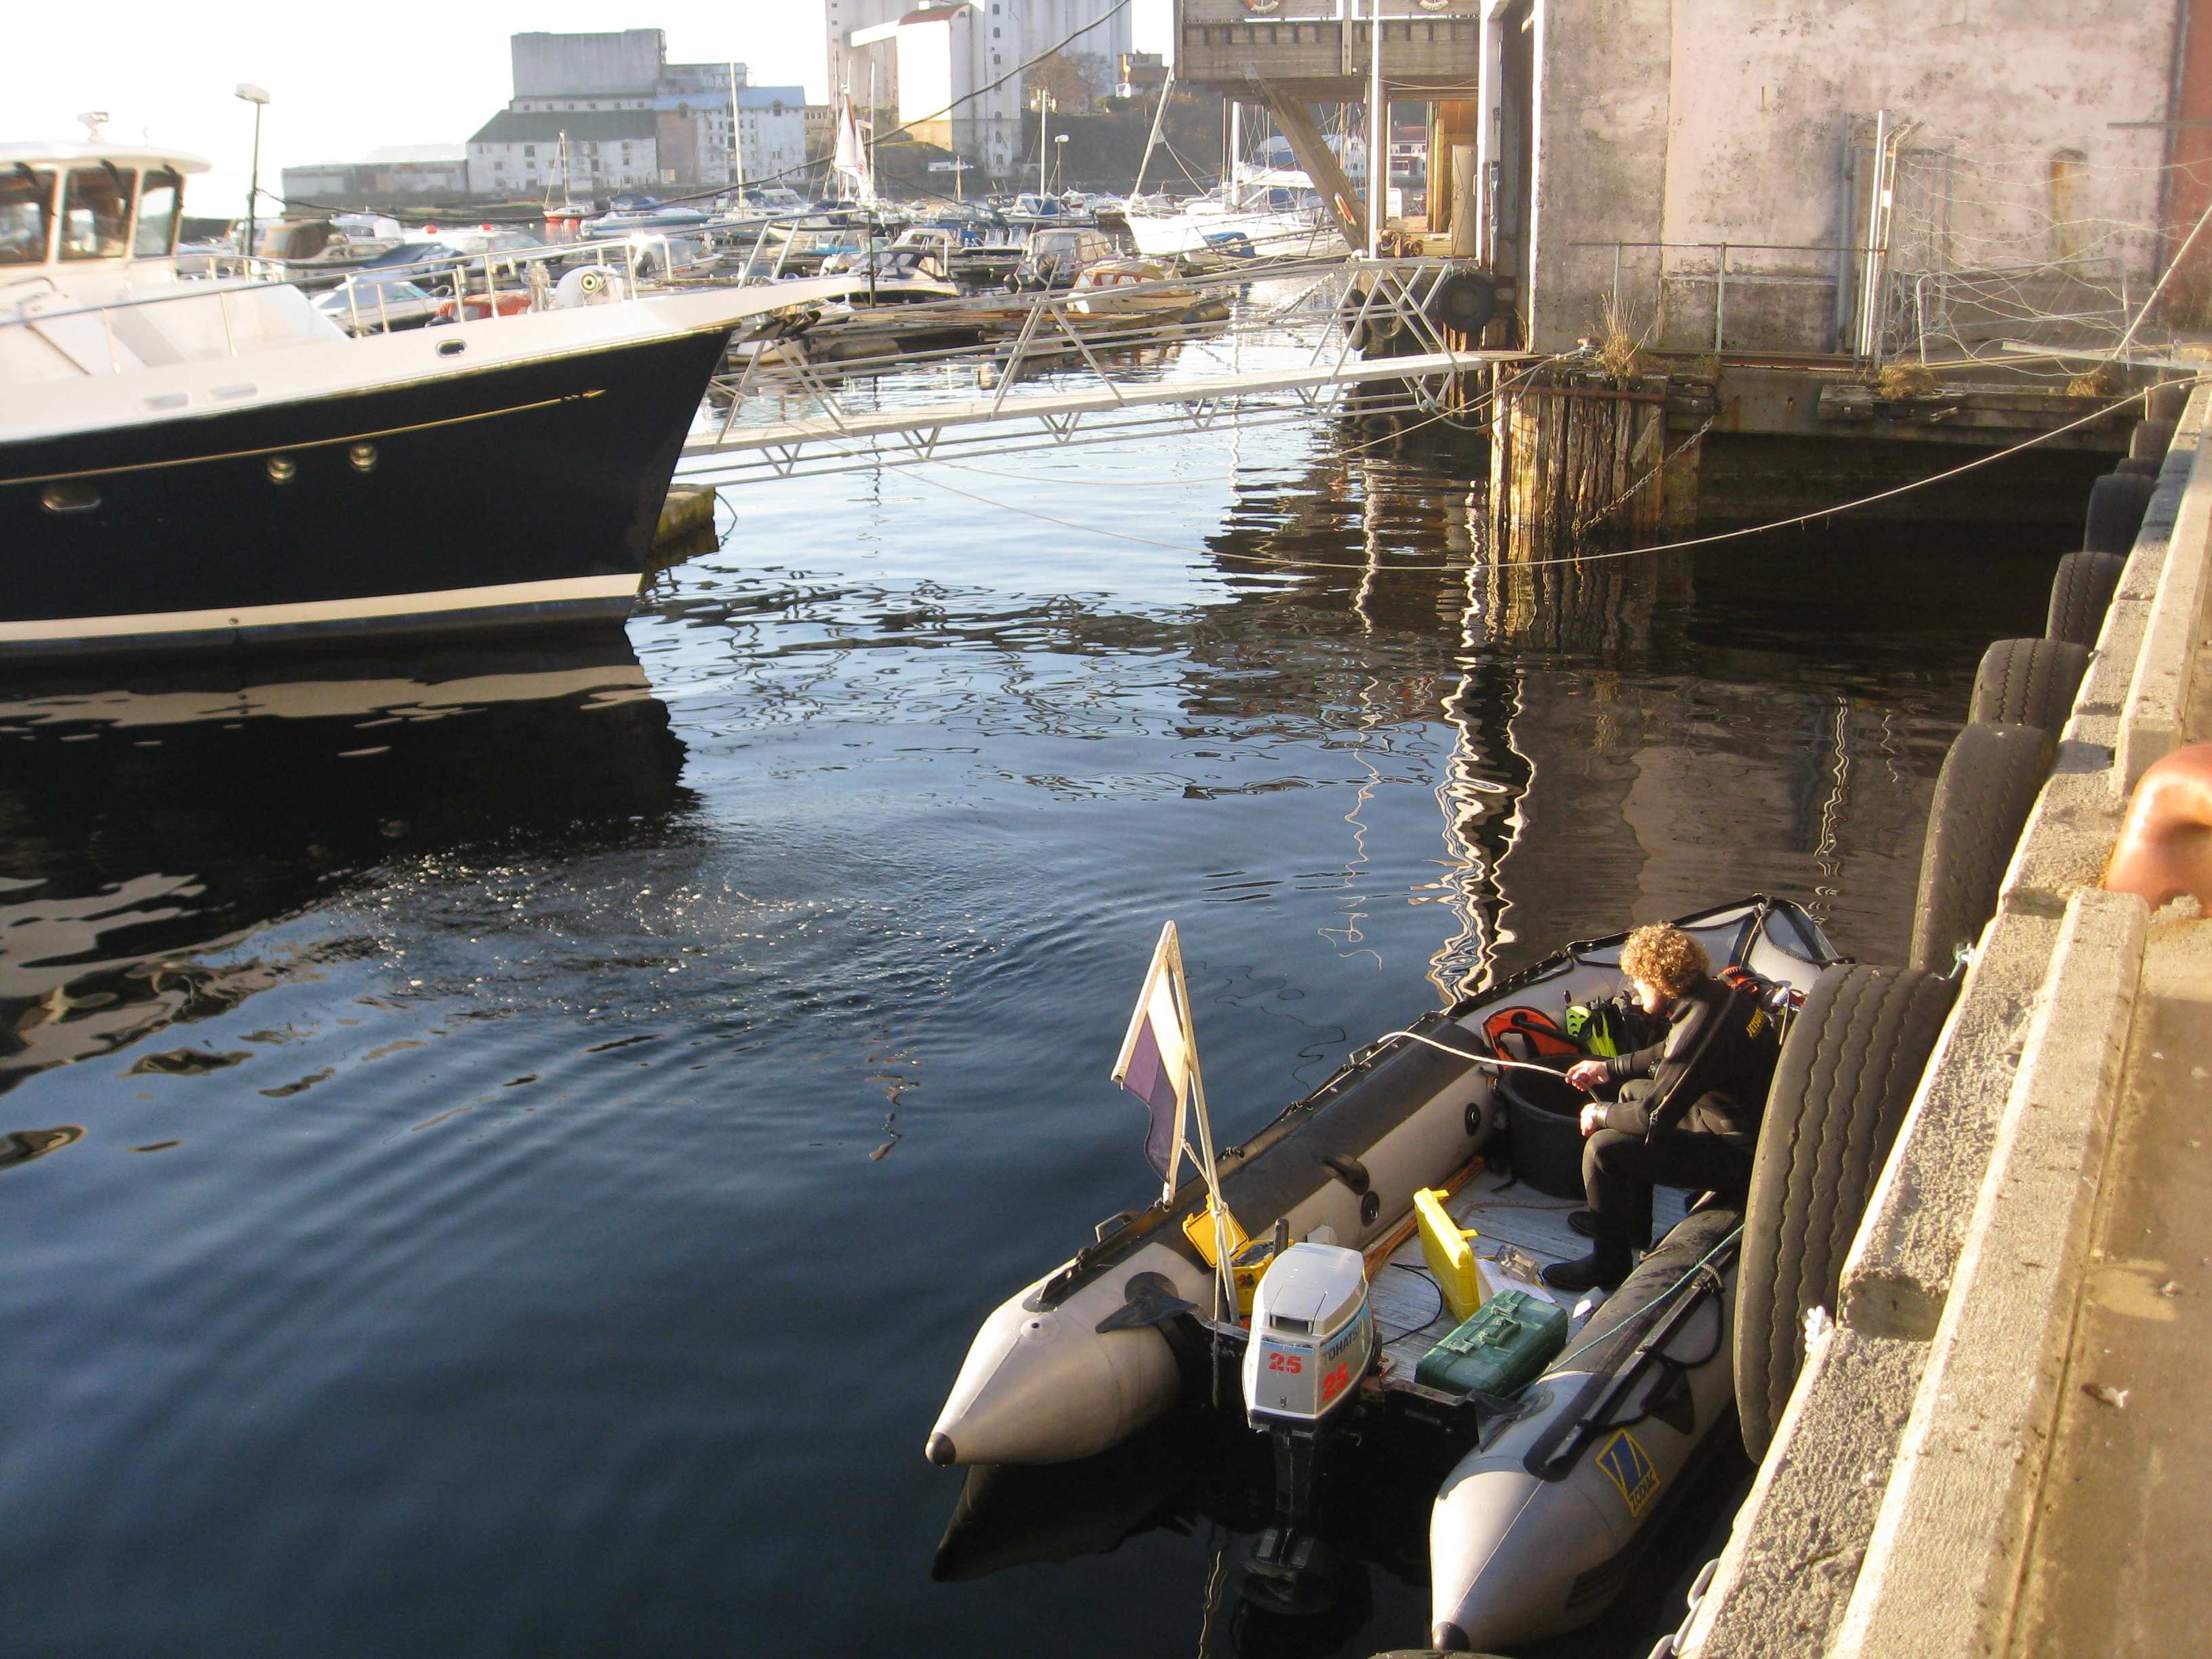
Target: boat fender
{"x": 1465, "y": 300}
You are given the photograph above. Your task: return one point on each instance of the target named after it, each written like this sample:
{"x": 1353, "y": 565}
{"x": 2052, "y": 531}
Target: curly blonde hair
{"x": 1663, "y": 955}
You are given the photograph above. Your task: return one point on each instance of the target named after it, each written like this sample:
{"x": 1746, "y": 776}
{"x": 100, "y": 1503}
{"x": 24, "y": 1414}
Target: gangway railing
{"x": 1101, "y": 391}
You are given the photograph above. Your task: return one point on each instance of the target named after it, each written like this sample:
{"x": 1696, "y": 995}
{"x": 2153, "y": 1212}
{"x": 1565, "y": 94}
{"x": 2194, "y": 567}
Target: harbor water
{"x": 508, "y": 1148}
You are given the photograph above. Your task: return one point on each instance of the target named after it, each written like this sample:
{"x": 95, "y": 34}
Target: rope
{"x": 1274, "y": 562}
{"x": 310, "y": 443}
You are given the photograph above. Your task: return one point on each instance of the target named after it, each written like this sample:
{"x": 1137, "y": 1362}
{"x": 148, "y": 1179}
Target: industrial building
{"x": 426, "y": 180}
{"x": 618, "y": 115}
{"x": 955, "y": 72}
{"x": 1744, "y": 174}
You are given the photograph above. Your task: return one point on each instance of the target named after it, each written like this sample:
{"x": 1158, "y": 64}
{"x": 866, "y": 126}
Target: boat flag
{"x": 851, "y": 159}
{"x": 1160, "y": 1065}
{"x": 1157, "y": 1058}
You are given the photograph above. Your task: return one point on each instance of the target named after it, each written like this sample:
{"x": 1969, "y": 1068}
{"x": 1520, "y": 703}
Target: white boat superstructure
{"x": 1261, "y": 213}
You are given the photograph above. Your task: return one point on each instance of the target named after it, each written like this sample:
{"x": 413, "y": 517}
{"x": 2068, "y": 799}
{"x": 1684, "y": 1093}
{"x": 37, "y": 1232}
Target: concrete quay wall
{"x": 1894, "y": 1513}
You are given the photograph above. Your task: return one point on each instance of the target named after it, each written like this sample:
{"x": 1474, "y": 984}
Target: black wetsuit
{"x": 1687, "y": 1114}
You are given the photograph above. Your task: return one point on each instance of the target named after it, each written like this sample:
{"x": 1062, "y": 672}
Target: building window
{"x": 530, "y": 149}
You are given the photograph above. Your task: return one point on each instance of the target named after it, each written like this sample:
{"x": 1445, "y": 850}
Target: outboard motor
{"x": 1312, "y": 1340}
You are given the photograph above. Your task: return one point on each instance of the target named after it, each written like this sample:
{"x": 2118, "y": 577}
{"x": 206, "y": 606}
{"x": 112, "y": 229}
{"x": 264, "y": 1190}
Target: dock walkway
{"x": 2003, "y": 1445}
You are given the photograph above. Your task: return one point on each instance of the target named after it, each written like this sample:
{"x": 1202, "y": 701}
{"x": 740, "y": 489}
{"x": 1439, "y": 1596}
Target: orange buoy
{"x": 2165, "y": 848}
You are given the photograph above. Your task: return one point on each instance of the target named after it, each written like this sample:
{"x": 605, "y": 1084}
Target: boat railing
{"x": 223, "y": 277}
{"x": 646, "y": 257}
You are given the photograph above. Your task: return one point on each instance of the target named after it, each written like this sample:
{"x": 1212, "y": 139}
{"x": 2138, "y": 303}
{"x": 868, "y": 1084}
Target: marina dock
{"x": 1999, "y": 1447}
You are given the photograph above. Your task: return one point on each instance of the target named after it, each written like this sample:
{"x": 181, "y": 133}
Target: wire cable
{"x": 1591, "y": 557}
{"x": 1427, "y": 1278}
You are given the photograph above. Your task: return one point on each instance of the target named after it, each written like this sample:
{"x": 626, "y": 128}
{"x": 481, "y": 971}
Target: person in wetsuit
{"x": 1684, "y": 1111}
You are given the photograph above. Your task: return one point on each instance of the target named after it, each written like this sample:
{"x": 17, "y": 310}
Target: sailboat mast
{"x": 1378, "y": 136}
{"x": 736, "y": 139}
{"x": 1159, "y": 119}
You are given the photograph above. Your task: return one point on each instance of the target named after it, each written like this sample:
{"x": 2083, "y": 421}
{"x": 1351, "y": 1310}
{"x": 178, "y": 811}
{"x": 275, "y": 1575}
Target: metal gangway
{"x": 1108, "y": 365}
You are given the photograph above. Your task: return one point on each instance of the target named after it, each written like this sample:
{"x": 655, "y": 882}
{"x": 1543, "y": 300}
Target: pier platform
{"x": 2001, "y": 1445}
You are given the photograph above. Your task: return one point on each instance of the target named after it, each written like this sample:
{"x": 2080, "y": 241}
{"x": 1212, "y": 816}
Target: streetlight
{"x": 255, "y": 96}
{"x": 1059, "y": 172}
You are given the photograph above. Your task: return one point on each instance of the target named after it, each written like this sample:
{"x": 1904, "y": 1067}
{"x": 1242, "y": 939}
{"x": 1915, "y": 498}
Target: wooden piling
{"x": 1579, "y": 461}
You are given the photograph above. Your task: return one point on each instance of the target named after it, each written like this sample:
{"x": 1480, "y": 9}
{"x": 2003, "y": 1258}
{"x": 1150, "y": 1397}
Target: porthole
{"x": 452, "y": 348}
{"x": 68, "y": 498}
{"x": 363, "y": 456}
{"x": 282, "y": 469}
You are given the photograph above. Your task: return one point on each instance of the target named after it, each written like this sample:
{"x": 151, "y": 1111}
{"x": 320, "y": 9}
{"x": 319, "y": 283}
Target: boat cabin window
{"x": 160, "y": 210}
{"x": 96, "y": 213}
{"x": 27, "y": 209}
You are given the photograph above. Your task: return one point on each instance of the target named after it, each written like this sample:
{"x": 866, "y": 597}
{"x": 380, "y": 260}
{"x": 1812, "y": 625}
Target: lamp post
{"x": 255, "y": 96}
{"x": 1059, "y": 172}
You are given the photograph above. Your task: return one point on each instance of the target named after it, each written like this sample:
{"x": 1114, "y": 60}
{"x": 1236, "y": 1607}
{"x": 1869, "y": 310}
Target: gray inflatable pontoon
{"x": 1537, "y": 1528}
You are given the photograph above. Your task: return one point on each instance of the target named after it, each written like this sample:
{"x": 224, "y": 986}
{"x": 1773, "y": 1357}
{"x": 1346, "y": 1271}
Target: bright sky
{"x": 344, "y": 79}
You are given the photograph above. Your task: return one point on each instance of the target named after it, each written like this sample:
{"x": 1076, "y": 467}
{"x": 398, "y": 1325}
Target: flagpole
{"x": 1225, "y": 1269}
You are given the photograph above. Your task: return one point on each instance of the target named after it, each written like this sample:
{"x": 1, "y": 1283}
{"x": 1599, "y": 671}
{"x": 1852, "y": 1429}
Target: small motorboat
{"x": 1264, "y": 213}
{"x": 894, "y": 275}
{"x": 1064, "y": 1369}
{"x": 628, "y": 213}
{"x": 1113, "y": 287}
{"x": 379, "y": 304}
{"x": 1055, "y": 255}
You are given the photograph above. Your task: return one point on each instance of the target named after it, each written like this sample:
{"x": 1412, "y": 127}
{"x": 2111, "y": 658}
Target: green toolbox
{"x": 1503, "y": 1346}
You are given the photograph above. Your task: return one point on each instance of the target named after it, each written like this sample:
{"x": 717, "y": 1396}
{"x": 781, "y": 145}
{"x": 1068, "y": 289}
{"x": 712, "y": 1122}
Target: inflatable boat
{"x": 1086, "y": 1355}
{"x": 1427, "y": 1183}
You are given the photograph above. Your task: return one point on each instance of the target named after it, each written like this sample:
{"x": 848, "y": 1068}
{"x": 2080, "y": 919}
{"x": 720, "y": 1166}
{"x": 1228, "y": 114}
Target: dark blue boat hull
{"x": 521, "y": 495}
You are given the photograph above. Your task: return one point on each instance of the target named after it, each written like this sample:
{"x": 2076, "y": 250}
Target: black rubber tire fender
{"x": 2117, "y": 504}
{"x": 2081, "y": 593}
{"x": 1375, "y": 333}
{"x": 1462, "y": 300}
{"x": 1983, "y": 796}
{"x": 2128, "y": 467}
{"x": 2148, "y": 441}
{"x": 2166, "y": 403}
{"x": 1848, "y": 1071}
{"x": 2028, "y": 682}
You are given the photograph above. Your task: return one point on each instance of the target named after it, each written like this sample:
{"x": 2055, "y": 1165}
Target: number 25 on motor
{"x": 1286, "y": 1362}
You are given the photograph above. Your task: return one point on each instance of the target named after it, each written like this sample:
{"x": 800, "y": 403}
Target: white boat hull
{"x": 1231, "y": 239}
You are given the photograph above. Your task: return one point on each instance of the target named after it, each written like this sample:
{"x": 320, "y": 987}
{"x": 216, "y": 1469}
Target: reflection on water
{"x": 144, "y": 822}
{"x": 551, "y": 1123}
{"x": 21, "y": 1146}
